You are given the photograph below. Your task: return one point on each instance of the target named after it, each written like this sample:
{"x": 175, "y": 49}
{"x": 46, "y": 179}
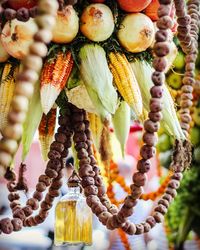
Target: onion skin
{"x": 133, "y": 5}
{"x": 3, "y": 54}
{"x": 97, "y": 22}
{"x": 67, "y": 25}
{"x": 137, "y": 32}
{"x": 17, "y": 36}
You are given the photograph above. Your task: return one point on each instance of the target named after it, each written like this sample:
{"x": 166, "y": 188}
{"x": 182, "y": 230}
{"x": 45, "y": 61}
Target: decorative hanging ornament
{"x": 73, "y": 222}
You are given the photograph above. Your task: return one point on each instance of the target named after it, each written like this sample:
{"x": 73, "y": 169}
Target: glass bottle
{"x": 73, "y": 222}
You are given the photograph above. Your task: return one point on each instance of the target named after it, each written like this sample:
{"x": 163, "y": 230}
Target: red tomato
{"x": 152, "y": 9}
{"x": 17, "y": 4}
{"x": 133, "y": 5}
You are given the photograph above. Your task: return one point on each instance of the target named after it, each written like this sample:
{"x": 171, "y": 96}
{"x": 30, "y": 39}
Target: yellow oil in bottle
{"x": 73, "y": 223}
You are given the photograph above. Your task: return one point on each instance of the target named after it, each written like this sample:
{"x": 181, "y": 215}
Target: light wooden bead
{"x": 8, "y": 145}
{"x": 39, "y": 49}
{"x": 49, "y": 7}
{"x": 33, "y": 62}
{"x": 24, "y": 89}
{"x": 20, "y": 103}
{"x": 44, "y": 36}
{"x": 45, "y": 21}
{"x": 5, "y": 159}
{"x": 13, "y": 131}
{"x": 16, "y": 117}
{"x": 28, "y": 75}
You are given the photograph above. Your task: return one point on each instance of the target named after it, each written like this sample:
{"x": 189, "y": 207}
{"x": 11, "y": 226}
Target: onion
{"x": 67, "y": 25}
{"x": 17, "y": 36}
{"x": 97, "y": 22}
{"x": 136, "y": 33}
{"x": 3, "y": 54}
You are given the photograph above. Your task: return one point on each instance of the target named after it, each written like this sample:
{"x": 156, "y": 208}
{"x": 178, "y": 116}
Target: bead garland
{"x": 92, "y": 183}
{"x": 32, "y": 64}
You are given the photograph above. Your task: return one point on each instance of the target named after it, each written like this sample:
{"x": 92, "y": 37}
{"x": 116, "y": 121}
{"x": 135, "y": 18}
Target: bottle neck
{"x": 74, "y": 190}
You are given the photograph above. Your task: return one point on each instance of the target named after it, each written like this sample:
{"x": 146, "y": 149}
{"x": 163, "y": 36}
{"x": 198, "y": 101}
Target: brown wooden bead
{"x": 84, "y": 161}
{"x": 171, "y": 192}
{"x": 99, "y": 209}
{"x": 139, "y": 179}
{"x": 49, "y": 199}
{"x": 54, "y": 192}
{"x": 139, "y": 229}
{"x": 147, "y": 152}
{"x": 167, "y": 197}
{"x": 147, "y": 227}
{"x": 38, "y": 195}
{"x": 6, "y": 226}
{"x": 27, "y": 210}
{"x": 151, "y": 126}
{"x": 79, "y": 126}
{"x": 13, "y": 196}
{"x": 90, "y": 190}
{"x": 33, "y": 203}
{"x": 125, "y": 211}
{"x": 164, "y": 22}
{"x": 38, "y": 219}
{"x": 113, "y": 209}
{"x": 130, "y": 202}
{"x": 41, "y": 187}
{"x": 103, "y": 217}
{"x": 92, "y": 199}
{"x": 164, "y": 10}
{"x": 80, "y": 137}
{"x": 57, "y": 146}
{"x": 161, "y": 209}
{"x": 158, "y": 78}
{"x": 43, "y": 214}
{"x": 86, "y": 170}
{"x": 19, "y": 213}
{"x": 156, "y": 105}
{"x": 17, "y": 224}
{"x": 45, "y": 205}
{"x": 81, "y": 145}
{"x": 158, "y": 217}
{"x": 151, "y": 221}
{"x": 51, "y": 173}
{"x": 56, "y": 184}
{"x": 14, "y": 204}
{"x": 150, "y": 139}
{"x": 164, "y": 202}
{"x": 98, "y": 180}
{"x": 82, "y": 153}
{"x": 53, "y": 154}
{"x": 160, "y": 64}
{"x": 161, "y": 49}
{"x": 175, "y": 184}
{"x": 136, "y": 191}
{"x": 177, "y": 176}
{"x": 45, "y": 179}
{"x": 86, "y": 181}
{"x": 143, "y": 166}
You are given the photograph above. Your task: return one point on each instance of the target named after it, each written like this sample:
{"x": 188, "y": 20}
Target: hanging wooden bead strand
{"x": 32, "y": 65}
{"x": 51, "y": 180}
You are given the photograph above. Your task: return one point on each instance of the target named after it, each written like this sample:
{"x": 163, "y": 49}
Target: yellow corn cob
{"x": 6, "y": 91}
{"x": 126, "y": 82}
{"x": 96, "y": 127}
{"x": 46, "y": 131}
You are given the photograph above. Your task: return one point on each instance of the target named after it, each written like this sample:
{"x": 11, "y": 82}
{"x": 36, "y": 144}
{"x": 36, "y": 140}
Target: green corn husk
{"x": 98, "y": 79}
{"x": 121, "y": 123}
{"x": 74, "y": 79}
{"x": 34, "y": 116}
{"x": 143, "y": 72}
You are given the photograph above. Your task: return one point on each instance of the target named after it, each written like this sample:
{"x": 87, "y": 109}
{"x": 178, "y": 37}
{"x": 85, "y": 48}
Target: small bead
{"x": 151, "y": 221}
{"x": 130, "y": 202}
{"x": 171, "y": 191}
{"x": 155, "y": 116}
{"x": 147, "y": 152}
{"x": 19, "y": 213}
{"x": 41, "y": 187}
{"x": 139, "y": 179}
{"x": 158, "y": 217}
{"x": 38, "y": 195}
{"x": 6, "y": 226}
{"x": 139, "y": 229}
{"x": 17, "y": 224}
{"x": 28, "y": 210}
{"x": 161, "y": 209}
{"x": 150, "y": 139}
{"x": 164, "y": 202}
{"x": 160, "y": 64}
{"x": 33, "y": 203}
{"x": 151, "y": 126}
{"x": 143, "y": 165}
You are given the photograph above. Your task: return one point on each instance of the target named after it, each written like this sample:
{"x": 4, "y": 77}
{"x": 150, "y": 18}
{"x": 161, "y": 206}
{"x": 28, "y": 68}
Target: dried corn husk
{"x": 121, "y": 123}
{"x": 143, "y": 72}
{"x": 98, "y": 78}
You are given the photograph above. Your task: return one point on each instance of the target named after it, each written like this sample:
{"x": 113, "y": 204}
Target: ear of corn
{"x": 54, "y": 76}
{"x": 32, "y": 121}
{"x": 143, "y": 72}
{"x": 7, "y": 87}
{"x": 46, "y": 131}
{"x": 96, "y": 127}
{"x": 98, "y": 78}
{"x": 121, "y": 123}
{"x": 125, "y": 81}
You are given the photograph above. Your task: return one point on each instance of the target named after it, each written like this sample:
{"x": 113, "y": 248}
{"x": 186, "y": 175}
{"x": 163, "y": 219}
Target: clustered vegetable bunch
{"x": 95, "y": 70}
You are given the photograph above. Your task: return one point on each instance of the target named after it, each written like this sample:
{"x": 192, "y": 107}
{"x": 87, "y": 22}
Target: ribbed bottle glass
{"x": 73, "y": 222}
